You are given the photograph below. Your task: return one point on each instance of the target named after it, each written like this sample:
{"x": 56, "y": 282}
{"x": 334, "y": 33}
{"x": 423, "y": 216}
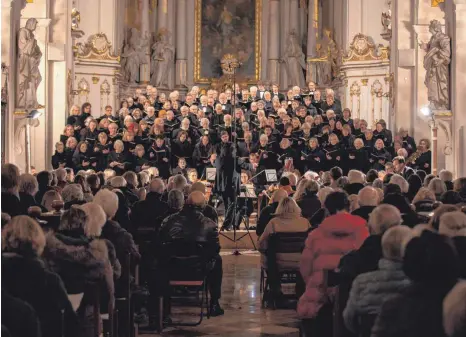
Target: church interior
{"x": 142, "y": 65}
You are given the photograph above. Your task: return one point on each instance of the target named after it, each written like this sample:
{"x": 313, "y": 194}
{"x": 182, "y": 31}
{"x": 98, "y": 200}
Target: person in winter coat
{"x": 433, "y": 265}
{"x": 287, "y": 219}
{"x": 338, "y": 234}
{"x": 19, "y": 317}
{"x": 26, "y": 277}
{"x": 370, "y": 290}
{"x": 268, "y": 212}
{"x": 149, "y": 213}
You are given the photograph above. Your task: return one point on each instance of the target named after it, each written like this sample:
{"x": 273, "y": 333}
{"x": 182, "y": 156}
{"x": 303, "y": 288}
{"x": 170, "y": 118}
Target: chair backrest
{"x": 287, "y": 242}
{"x": 185, "y": 260}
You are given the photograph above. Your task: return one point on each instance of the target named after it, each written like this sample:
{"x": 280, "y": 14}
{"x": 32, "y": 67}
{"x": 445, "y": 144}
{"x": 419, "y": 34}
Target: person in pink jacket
{"x": 338, "y": 234}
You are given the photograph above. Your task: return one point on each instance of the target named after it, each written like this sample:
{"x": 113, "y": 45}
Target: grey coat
{"x": 370, "y": 290}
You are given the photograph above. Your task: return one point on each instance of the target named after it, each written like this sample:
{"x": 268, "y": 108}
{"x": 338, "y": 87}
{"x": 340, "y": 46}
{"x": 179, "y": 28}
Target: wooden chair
{"x": 111, "y": 317}
{"x": 280, "y": 243}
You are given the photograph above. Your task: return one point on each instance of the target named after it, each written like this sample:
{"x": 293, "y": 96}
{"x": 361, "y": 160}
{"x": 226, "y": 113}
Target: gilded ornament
{"x": 97, "y": 47}
{"x": 362, "y": 49}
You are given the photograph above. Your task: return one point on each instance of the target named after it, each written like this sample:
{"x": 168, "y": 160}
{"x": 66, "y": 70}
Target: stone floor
{"x": 241, "y": 300}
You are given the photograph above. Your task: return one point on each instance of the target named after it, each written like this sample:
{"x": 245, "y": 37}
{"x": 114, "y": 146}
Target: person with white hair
{"x": 61, "y": 177}
{"x": 306, "y": 197}
{"x": 367, "y": 257}
{"x": 150, "y": 212}
{"x": 437, "y": 186}
{"x": 368, "y": 199}
{"x": 95, "y": 221}
{"x": 356, "y": 181}
{"x": 447, "y": 177}
{"x": 268, "y": 212}
{"x": 112, "y": 231}
{"x": 370, "y": 290}
{"x": 72, "y": 194}
{"x": 28, "y": 188}
{"x": 400, "y": 181}
{"x": 452, "y": 223}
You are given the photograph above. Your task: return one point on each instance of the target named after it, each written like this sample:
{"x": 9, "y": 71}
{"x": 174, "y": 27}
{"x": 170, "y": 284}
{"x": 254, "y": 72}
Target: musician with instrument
{"x": 422, "y": 158}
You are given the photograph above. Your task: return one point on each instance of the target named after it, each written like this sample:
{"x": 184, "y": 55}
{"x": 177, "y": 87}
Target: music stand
{"x": 211, "y": 173}
{"x": 271, "y": 176}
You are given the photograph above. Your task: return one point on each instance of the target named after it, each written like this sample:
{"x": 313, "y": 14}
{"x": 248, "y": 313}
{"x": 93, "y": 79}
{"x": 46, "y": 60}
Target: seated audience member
{"x": 338, "y": 234}
{"x": 399, "y": 165}
{"x": 175, "y": 202}
{"x": 190, "y": 225}
{"x": 400, "y": 181}
{"x": 208, "y": 210}
{"x": 321, "y": 213}
{"x": 366, "y": 258}
{"x": 356, "y": 182}
{"x": 427, "y": 179}
{"x": 26, "y": 277}
{"x": 150, "y": 212}
{"x": 61, "y": 177}
{"x": 120, "y": 183}
{"x": 437, "y": 186}
{"x": 370, "y": 290}
{"x": 306, "y": 197}
{"x": 112, "y": 231}
{"x": 451, "y": 223}
{"x": 410, "y": 217}
{"x": 434, "y": 221}
{"x": 451, "y": 198}
{"x": 28, "y": 188}
{"x": 447, "y": 177}
{"x": 368, "y": 201}
{"x": 10, "y": 190}
{"x": 454, "y": 311}
{"x": 415, "y": 183}
{"x": 335, "y": 174}
{"x": 72, "y": 194}
{"x": 287, "y": 219}
{"x": 268, "y": 212}
{"x": 377, "y": 183}
{"x": 93, "y": 181}
{"x": 371, "y": 176}
{"x": 424, "y": 200}
{"x": 285, "y": 184}
{"x": 432, "y": 264}
{"x": 44, "y": 180}
{"x": 6, "y": 218}
{"x": 81, "y": 180}
{"x": 459, "y": 185}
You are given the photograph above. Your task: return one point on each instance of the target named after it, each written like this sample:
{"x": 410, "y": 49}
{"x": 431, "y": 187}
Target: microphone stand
{"x": 232, "y": 66}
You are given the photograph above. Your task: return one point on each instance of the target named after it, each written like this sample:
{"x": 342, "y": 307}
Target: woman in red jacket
{"x": 338, "y": 234}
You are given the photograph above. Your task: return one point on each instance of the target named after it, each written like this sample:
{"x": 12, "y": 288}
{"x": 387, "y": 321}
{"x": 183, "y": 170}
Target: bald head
{"x": 279, "y": 195}
{"x": 198, "y": 187}
{"x": 196, "y": 198}
{"x": 157, "y": 186}
{"x": 368, "y": 196}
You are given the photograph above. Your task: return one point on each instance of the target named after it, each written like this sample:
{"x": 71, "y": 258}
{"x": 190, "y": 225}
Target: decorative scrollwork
{"x": 97, "y": 47}
{"x": 362, "y": 49}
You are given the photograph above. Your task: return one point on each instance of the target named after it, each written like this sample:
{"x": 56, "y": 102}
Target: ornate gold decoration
{"x": 436, "y": 3}
{"x": 84, "y": 88}
{"x": 362, "y": 49}
{"x": 105, "y": 87}
{"x": 95, "y": 79}
{"x": 198, "y": 37}
{"x": 364, "y": 81}
{"x": 104, "y": 94}
{"x": 97, "y": 47}
{"x": 75, "y": 19}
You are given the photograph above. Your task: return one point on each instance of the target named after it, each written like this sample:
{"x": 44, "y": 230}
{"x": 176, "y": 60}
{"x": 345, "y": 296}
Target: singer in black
{"x": 225, "y": 165}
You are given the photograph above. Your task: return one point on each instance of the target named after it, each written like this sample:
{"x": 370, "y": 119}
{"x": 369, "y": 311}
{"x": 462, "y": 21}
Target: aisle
{"x": 241, "y": 301}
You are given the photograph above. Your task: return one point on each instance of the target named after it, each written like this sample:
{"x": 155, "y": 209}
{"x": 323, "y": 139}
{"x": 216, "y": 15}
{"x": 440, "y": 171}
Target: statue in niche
{"x": 327, "y": 50}
{"x": 436, "y": 63}
{"x": 132, "y": 57}
{"x": 294, "y": 60}
{"x": 163, "y": 54}
{"x": 29, "y": 56}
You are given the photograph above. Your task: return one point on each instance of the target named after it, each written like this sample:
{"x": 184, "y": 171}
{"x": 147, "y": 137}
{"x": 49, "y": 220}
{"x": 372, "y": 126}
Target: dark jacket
{"x": 363, "y": 212}
{"x": 26, "y": 201}
{"x": 191, "y": 225}
{"x": 121, "y": 239}
{"x": 19, "y": 317}
{"x": 309, "y": 204}
{"x": 353, "y": 188}
{"x": 267, "y": 214}
{"x": 149, "y": 212}
{"x": 11, "y": 204}
{"x": 27, "y": 278}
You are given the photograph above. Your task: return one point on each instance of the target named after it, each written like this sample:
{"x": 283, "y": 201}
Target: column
{"x": 144, "y": 70}
{"x": 274, "y": 42}
{"x": 294, "y": 16}
{"x": 162, "y": 14}
{"x": 284, "y": 31}
{"x": 312, "y": 29}
{"x": 181, "y": 44}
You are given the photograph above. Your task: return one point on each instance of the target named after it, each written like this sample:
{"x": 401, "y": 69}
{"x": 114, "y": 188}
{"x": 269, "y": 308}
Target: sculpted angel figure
{"x": 132, "y": 57}
{"x": 163, "y": 54}
{"x": 295, "y": 60}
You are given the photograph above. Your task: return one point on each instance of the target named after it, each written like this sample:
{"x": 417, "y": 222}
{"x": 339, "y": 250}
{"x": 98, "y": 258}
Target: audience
{"x": 368, "y": 200}
{"x": 268, "y": 212}
{"x": 306, "y": 197}
{"x": 454, "y": 311}
{"x": 10, "y": 190}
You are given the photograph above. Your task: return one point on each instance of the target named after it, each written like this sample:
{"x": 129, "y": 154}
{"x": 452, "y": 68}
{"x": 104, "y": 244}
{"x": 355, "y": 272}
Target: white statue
{"x": 294, "y": 60}
{"x": 436, "y": 63}
{"x": 132, "y": 57}
{"x": 29, "y": 56}
{"x": 162, "y": 58}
